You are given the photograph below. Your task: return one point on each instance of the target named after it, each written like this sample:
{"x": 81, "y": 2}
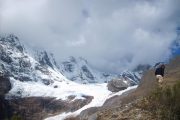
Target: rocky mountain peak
{"x": 11, "y": 38}
{"x": 19, "y": 64}
{"x": 83, "y": 60}
{"x": 72, "y": 59}
{"x": 12, "y": 41}
{"x": 77, "y": 69}
{"x": 46, "y": 59}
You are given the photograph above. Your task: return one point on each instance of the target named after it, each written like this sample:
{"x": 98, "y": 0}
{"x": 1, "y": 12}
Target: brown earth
{"x": 38, "y": 108}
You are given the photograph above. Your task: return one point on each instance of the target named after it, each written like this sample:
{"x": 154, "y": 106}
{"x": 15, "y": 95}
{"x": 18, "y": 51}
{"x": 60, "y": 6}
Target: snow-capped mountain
{"x": 18, "y": 64}
{"x": 46, "y": 59}
{"x": 23, "y": 65}
{"x": 79, "y": 70}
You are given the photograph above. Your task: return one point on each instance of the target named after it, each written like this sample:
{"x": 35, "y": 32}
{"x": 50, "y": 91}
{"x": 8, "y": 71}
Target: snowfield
{"x": 99, "y": 99}
{"x": 64, "y": 89}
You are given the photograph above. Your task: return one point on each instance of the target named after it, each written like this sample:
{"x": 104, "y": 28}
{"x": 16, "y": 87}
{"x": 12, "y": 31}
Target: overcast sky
{"x": 111, "y": 34}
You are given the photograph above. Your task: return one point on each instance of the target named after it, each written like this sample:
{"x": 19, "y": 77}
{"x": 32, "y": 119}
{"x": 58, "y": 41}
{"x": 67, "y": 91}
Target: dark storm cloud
{"x": 112, "y": 34}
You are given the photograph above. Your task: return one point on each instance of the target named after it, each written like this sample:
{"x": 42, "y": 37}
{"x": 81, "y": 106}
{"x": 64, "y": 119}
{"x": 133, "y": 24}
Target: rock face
{"x": 46, "y": 59}
{"x": 116, "y": 85}
{"x": 6, "y": 110}
{"x": 5, "y": 85}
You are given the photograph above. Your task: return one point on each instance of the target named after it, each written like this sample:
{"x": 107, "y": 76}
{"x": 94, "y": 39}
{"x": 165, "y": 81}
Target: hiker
{"x": 160, "y": 73}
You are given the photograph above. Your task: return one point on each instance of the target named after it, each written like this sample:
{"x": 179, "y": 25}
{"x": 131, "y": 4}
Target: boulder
{"x": 116, "y": 85}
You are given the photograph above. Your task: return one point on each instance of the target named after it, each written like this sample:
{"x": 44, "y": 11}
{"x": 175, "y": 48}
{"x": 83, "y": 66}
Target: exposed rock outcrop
{"x": 116, "y": 85}
{"x": 5, "y": 85}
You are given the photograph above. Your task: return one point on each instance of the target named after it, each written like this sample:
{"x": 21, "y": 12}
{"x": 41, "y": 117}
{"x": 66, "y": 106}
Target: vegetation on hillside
{"x": 164, "y": 103}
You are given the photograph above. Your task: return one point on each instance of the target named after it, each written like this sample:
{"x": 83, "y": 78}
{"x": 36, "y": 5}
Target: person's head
{"x": 163, "y": 66}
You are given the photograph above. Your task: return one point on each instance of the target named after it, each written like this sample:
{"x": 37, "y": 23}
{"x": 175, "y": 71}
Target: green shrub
{"x": 16, "y": 117}
{"x": 164, "y": 103}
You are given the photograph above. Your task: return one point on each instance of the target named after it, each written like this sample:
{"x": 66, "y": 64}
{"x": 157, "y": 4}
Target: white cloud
{"x": 112, "y": 35}
{"x": 81, "y": 41}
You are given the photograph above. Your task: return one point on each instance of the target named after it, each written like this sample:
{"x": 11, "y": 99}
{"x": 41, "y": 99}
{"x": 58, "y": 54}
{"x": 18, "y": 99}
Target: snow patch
{"x": 96, "y": 102}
